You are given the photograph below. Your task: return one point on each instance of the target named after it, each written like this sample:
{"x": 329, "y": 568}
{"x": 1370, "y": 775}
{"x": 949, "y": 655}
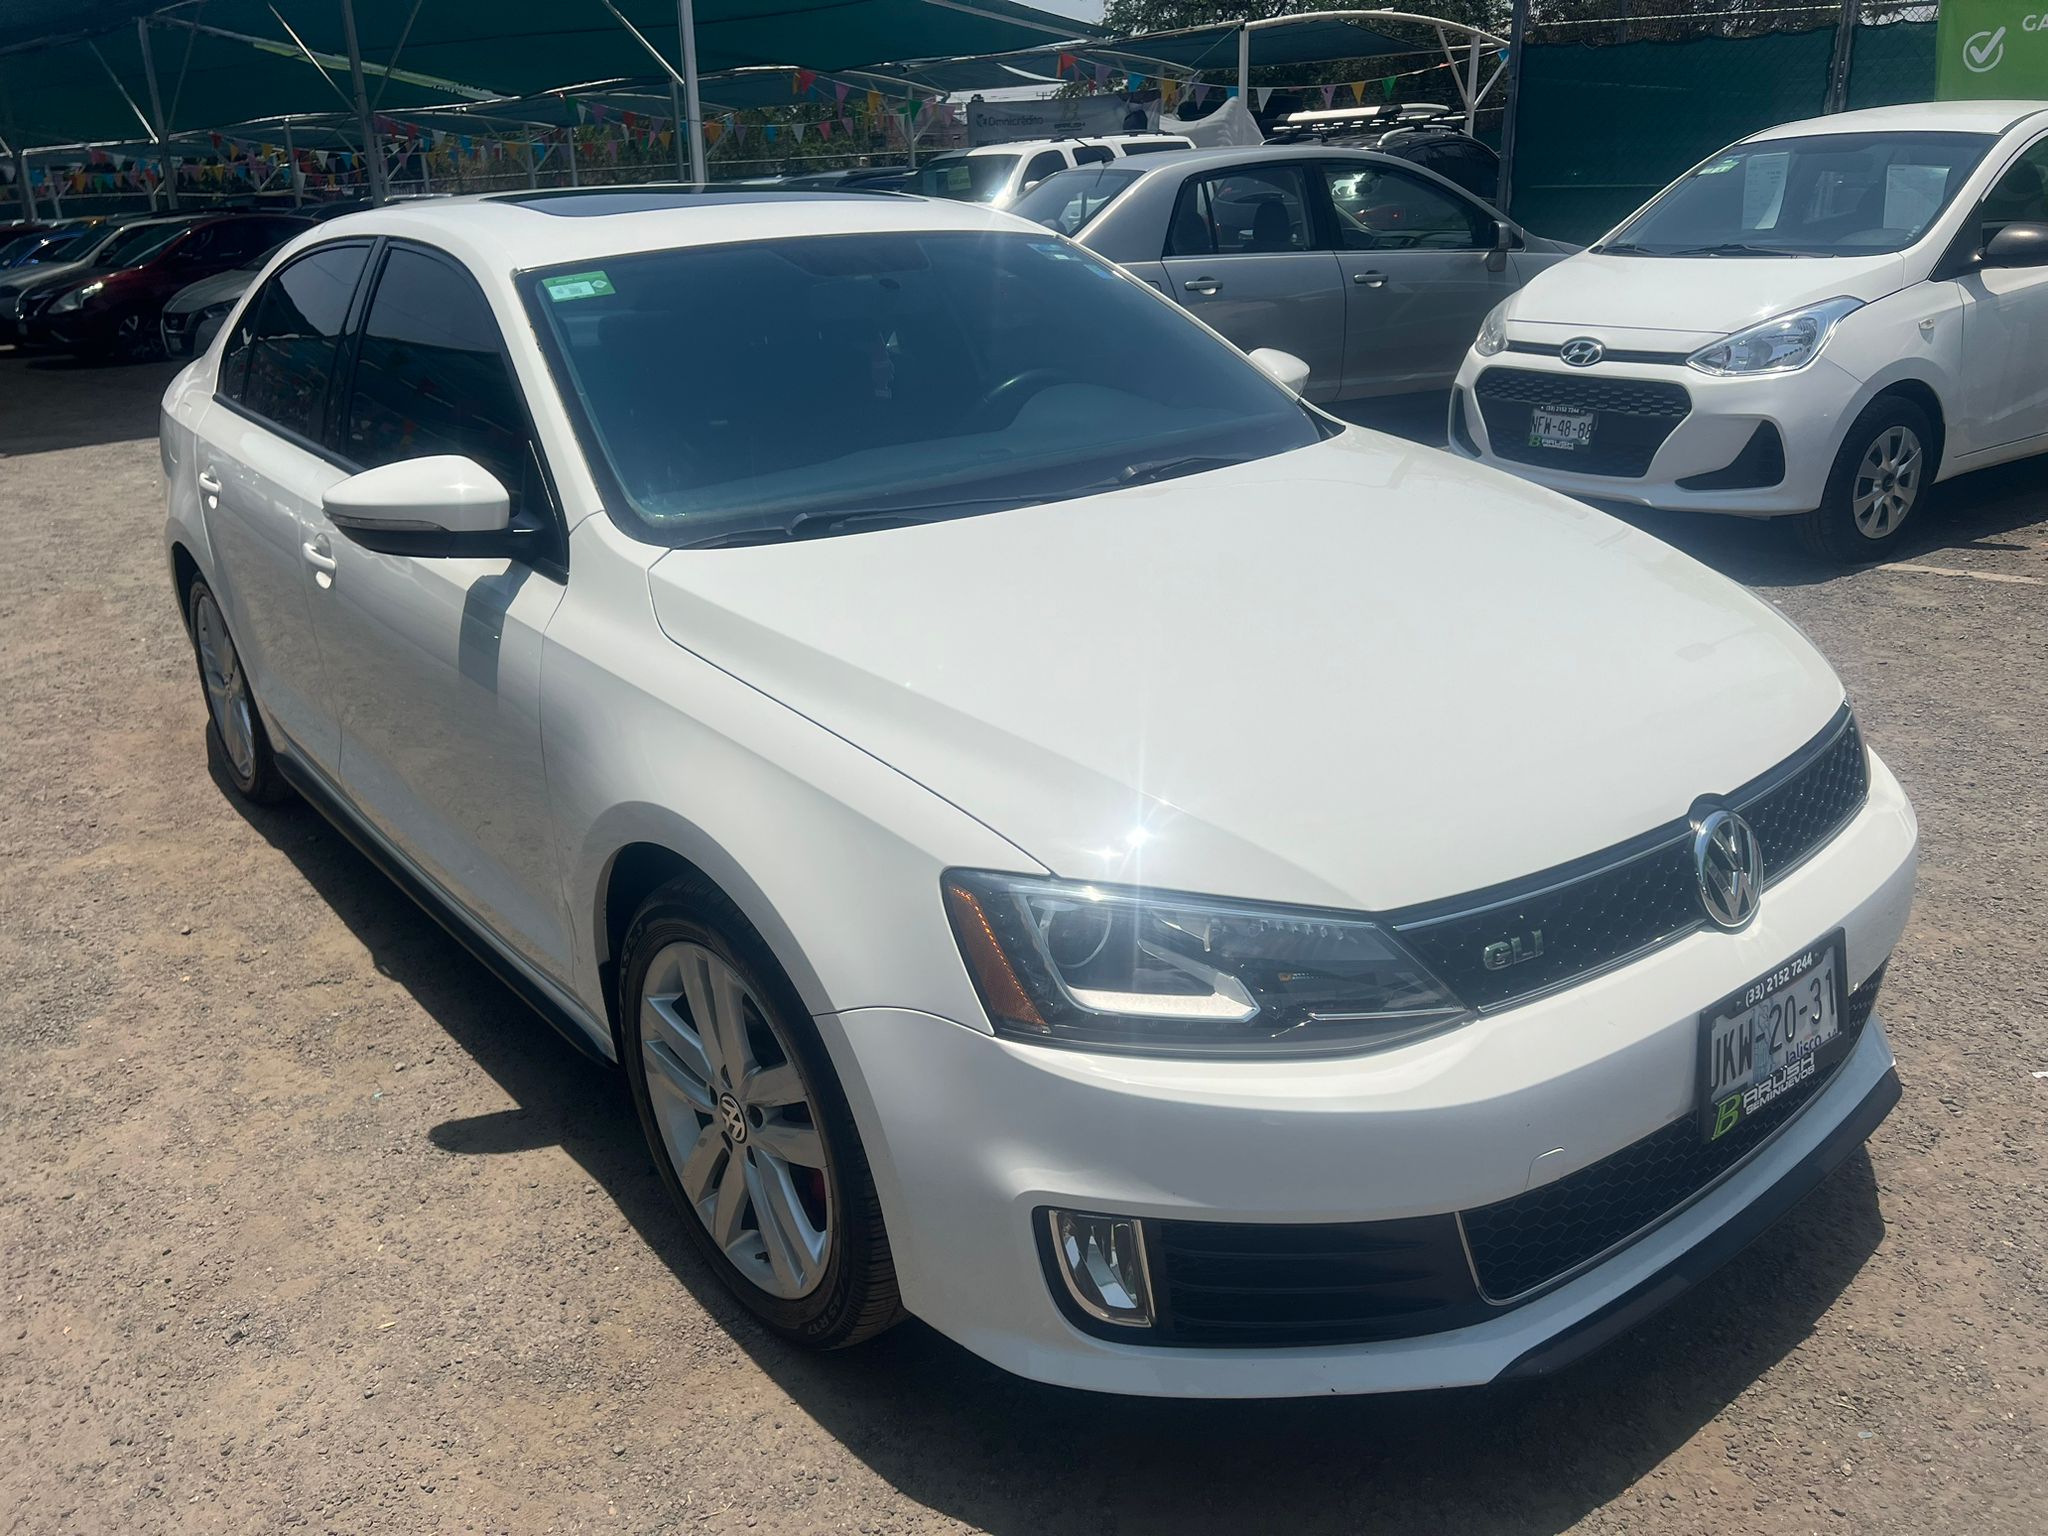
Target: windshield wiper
{"x": 825, "y": 521}
{"x": 1145, "y": 471}
{"x": 1733, "y": 248}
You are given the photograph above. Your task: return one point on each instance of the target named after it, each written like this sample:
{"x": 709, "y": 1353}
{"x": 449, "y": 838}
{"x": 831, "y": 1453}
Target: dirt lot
{"x": 306, "y": 1224}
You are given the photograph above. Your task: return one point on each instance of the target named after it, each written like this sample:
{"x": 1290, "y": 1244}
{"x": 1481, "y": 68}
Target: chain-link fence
{"x": 1615, "y": 104}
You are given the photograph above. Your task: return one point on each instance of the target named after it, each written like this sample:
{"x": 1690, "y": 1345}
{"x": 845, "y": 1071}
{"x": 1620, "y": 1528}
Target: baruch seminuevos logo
{"x": 1983, "y": 50}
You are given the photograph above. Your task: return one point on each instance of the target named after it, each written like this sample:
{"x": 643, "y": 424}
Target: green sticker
{"x": 577, "y": 285}
{"x": 1719, "y": 166}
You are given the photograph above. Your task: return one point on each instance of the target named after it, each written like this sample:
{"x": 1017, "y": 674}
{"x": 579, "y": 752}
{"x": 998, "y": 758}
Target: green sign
{"x": 577, "y": 285}
{"x": 1992, "y": 49}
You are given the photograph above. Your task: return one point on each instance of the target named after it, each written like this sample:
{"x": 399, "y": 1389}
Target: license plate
{"x": 1780, "y": 1031}
{"x": 1552, "y": 428}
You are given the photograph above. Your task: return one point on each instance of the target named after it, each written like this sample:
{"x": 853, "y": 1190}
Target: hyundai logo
{"x": 1582, "y": 352}
{"x": 1730, "y": 866}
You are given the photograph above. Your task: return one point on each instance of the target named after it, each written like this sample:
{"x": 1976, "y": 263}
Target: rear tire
{"x": 748, "y": 1124}
{"x": 1880, "y": 484}
{"x": 237, "y": 746}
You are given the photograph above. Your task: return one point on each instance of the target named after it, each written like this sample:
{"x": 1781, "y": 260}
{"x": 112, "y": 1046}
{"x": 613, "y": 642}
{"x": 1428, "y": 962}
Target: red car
{"x": 110, "y": 312}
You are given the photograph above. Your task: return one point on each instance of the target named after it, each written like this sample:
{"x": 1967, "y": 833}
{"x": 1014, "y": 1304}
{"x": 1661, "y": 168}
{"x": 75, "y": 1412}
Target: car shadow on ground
{"x": 60, "y": 401}
{"x": 959, "y": 1436}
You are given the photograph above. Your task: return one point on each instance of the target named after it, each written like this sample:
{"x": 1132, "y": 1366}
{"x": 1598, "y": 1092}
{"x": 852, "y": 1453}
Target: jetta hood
{"x": 1361, "y": 674}
{"x": 1679, "y": 303}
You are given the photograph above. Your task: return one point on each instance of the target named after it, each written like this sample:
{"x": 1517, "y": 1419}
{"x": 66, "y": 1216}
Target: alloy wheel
{"x": 227, "y": 686}
{"x": 1887, "y": 482}
{"x": 737, "y": 1120}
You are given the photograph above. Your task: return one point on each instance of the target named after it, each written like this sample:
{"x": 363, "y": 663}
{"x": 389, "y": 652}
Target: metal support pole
{"x": 291, "y": 161}
{"x": 373, "y": 144}
{"x": 682, "y": 126}
{"x": 1844, "y": 55}
{"x": 156, "y": 114}
{"x": 573, "y": 181}
{"x": 532, "y": 166}
{"x": 1472, "y": 88}
{"x": 686, "y": 24}
{"x": 1244, "y": 66}
{"x": 1518, "y": 36}
{"x": 28, "y": 193}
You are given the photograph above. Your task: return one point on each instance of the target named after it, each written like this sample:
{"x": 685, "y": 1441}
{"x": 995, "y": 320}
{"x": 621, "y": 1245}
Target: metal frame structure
{"x": 1470, "y": 91}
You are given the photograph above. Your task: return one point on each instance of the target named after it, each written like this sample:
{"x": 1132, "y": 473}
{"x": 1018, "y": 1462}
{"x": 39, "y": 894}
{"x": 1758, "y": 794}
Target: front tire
{"x": 1881, "y": 479}
{"x": 748, "y": 1124}
{"x": 237, "y": 746}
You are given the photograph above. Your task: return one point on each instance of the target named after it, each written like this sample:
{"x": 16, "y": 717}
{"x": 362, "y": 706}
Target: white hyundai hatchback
{"x": 1064, "y": 839}
{"x": 1820, "y": 321}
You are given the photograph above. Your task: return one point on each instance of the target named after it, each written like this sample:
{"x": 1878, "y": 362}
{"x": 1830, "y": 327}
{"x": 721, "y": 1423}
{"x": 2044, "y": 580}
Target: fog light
{"x": 1102, "y": 1259}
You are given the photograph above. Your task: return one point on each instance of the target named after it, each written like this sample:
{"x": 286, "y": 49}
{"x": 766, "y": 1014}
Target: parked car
{"x": 1821, "y": 321}
{"x": 51, "y": 243}
{"x": 1422, "y": 132}
{"x": 27, "y": 292}
{"x": 998, "y": 174}
{"x": 1050, "y": 843}
{"x": 1373, "y": 271}
{"x": 194, "y": 315}
{"x": 114, "y": 310}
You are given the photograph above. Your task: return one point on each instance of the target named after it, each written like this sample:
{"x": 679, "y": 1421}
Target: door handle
{"x": 317, "y": 556}
{"x": 1370, "y": 279}
{"x": 1202, "y": 285}
{"x": 209, "y": 482}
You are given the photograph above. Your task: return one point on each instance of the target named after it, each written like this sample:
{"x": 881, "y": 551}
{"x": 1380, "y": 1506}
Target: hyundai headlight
{"x": 1493, "y": 331}
{"x": 76, "y": 298}
{"x": 1122, "y": 969}
{"x": 1778, "y": 345}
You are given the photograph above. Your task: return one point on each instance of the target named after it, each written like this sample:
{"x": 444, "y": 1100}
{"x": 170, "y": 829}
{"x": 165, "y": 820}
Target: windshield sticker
{"x": 1056, "y": 252}
{"x": 1719, "y": 166}
{"x": 1763, "y": 189}
{"x": 577, "y": 285}
{"x": 1913, "y": 195}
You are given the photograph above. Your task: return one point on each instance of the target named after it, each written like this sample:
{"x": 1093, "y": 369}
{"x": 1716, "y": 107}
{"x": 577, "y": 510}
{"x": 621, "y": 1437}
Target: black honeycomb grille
{"x": 1620, "y": 903}
{"x": 1568, "y": 392}
{"x": 1521, "y": 1244}
{"x": 1631, "y": 418}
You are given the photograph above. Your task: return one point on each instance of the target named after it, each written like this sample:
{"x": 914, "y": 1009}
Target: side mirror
{"x": 1283, "y": 368}
{"x": 1027, "y": 187}
{"x": 2018, "y": 245}
{"x": 1503, "y": 241}
{"x": 443, "y": 505}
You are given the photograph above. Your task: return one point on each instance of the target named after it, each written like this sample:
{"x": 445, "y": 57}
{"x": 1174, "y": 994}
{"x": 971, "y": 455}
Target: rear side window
{"x": 1043, "y": 164}
{"x": 280, "y": 361}
{"x": 1238, "y": 213}
{"x": 1092, "y": 154}
{"x": 431, "y": 375}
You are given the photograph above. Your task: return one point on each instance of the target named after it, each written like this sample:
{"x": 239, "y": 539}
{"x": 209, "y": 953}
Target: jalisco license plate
{"x": 1550, "y": 427}
{"x": 1780, "y": 1031}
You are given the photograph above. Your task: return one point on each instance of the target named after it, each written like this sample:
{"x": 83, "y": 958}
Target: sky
{"x": 1084, "y": 10}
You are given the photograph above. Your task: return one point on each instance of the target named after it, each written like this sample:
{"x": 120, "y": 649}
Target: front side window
{"x": 1383, "y": 209}
{"x": 1829, "y": 194}
{"x": 936, "y": 374}
{"x": 1240, "y": 213}
{"x": 280, "y": 362}
{"x": 1045, "y": 163}
{"x": 2020, "y": 196}
{"x": 965, "y": 178}
{"x": 1067, "y": 202}
{"x": 137, "y": 243}
{"x": 431, "y": 375}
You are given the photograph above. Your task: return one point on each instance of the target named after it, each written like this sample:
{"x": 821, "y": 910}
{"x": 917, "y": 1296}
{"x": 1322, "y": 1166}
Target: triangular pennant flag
{"x": 1387, "y": 87}
{"x": 1265, "y": 95}
{"x": 1102, "y": 77}
{"x": 1329, "y": 95}
{"x": 825, "y": 128}
{"x": 875, "y": 100}
{"x": 796, "y": 131}
{"x": 1198, "y": 91}
{"x": 805, "y": 79}
{"x": 1066, "y": 64}
{"x": 839, "y": 89}
{"x": 1358, "y": 90}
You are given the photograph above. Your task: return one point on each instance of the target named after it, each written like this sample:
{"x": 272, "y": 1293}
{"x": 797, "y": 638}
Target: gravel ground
{"x": 307, "y": 1224}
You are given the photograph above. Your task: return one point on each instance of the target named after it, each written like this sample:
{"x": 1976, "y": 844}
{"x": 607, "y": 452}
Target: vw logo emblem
{"x": 1582, "y": 352}
{"x": 1730, "y": 866}
{"x": 732, "y": 1118}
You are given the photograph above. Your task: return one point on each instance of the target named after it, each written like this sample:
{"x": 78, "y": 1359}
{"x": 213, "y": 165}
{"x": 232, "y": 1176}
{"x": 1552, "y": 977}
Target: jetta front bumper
{"x": 973, "y": 1138}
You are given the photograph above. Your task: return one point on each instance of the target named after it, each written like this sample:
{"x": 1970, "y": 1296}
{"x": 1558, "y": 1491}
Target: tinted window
{"x": 938, "y": 374}
{"x": 2020, "y": 196}
{"x": 1069, "y": 200}
{"x": 1045, "y": 163}
{"x": 431, "y": 375}
{"x": 1154, "y": 146}
{"x": 1242, "y": 213}
{"x": 1091, "y": 154}
{"x": 137, "y": 243}
{"x": 1381, "y": 209}
{"x": 1825, "y": 194}
{"x": 280, "y": 362}
{"x": 964, "y": 178}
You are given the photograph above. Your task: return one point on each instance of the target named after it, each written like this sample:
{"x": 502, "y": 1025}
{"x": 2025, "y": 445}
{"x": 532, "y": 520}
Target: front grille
{"x": 1632, "y": 417}
{"x": 1235, "y": 1283}
{"x": 1522, "y": 1244}
{"x": 1609, "y": 355}
{"x": 1605, "y": 909}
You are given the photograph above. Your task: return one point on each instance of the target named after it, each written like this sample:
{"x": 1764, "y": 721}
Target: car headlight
{"x": 1778, "y": 345}
{"x": 1123, "y": 969}
{"x": 1493, "y": 331}
{"x": 75, "y": 299}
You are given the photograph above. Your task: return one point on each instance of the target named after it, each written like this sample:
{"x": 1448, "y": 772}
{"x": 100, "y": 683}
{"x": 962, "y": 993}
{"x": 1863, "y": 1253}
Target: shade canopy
{"x": 71, "y": 71}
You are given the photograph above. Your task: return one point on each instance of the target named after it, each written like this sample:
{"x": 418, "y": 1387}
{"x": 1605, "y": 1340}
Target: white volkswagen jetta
{"x": 1822, "y": 320}
{"x": 1064, "y": 839}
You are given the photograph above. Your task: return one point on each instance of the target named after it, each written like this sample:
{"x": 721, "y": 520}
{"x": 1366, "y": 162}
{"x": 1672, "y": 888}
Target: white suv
{"x": 1183, "y": 896}
{"x": 1822, "y": 320}
{"x": 999, "y": 174}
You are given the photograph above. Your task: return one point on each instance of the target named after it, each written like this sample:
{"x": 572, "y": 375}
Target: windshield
{"x": 137, "y": 243}
{"x": 1069, "y": 199}
{"x": 65, "y": 245}
{"x": 732, "y": 390}
{"x": 964, "y": 178}
{"x": 1831, "y": 194}
{"x": 13, "y": 250}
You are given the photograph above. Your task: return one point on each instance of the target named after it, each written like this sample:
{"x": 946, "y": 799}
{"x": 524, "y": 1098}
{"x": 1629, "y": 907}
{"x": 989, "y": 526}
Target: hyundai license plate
{"x": 1551, "y": 427}
{"x": 1780, "y": 1031}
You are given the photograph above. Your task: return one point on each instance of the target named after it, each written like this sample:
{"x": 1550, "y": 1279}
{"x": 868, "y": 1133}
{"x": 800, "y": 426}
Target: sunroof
{"x": 600, "y": 202}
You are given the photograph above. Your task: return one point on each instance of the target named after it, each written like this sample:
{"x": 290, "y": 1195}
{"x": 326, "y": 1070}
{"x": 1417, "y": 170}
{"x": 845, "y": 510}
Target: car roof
{"x": 518, "y": 232}
{"x": 1223, "y": 157}
{"x": 1920, "y": 116}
